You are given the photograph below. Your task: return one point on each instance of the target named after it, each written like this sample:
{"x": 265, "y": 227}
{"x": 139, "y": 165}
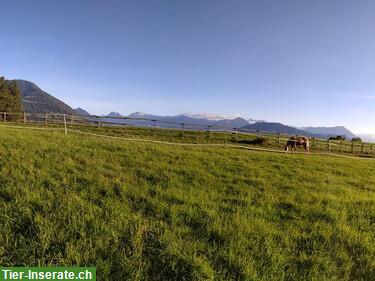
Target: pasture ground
{"x": 143, "y": 211}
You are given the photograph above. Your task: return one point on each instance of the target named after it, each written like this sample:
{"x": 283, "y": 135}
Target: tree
{"x": 10, "y": 97}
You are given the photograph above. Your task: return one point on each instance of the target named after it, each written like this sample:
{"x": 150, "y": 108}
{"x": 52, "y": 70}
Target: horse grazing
{"x": 293, "y": 142}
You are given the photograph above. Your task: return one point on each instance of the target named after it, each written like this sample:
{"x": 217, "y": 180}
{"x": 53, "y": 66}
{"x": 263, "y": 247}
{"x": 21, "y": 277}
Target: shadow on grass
{"x": 256, "y": 141}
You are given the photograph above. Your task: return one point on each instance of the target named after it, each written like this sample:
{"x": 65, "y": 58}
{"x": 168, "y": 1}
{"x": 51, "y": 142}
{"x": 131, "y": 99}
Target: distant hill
{"x": 114, "y": 114}
{"x": 81, "y": 112}
{"x": 280, "y": 128}
{"x": 35, "y": 100}
{"x": 331, "y": 131}
{"x": 230, "y": 123}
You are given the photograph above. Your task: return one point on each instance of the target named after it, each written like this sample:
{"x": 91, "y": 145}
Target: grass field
{"x": 143, "y": 211}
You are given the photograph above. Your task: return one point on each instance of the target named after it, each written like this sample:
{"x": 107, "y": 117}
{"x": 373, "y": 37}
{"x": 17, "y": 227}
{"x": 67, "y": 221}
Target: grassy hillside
{"x": 36, "y": 100}
{"x": 142, "y": 211}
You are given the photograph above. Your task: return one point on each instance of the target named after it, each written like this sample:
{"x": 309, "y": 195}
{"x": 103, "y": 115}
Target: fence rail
{"x": 218, "y": 133}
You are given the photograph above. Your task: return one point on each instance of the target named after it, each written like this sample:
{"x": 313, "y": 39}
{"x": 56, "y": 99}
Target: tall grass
{"x": 141, "y": 211}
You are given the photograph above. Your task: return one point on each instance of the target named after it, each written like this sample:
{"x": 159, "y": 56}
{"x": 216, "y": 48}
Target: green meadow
{"x": 146, "y": 211}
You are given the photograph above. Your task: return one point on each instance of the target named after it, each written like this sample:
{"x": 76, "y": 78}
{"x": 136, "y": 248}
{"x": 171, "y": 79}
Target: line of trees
{"x": 342, "y": 138}
{"x": 10, "y": 96}
{"x": 338, "y": 138}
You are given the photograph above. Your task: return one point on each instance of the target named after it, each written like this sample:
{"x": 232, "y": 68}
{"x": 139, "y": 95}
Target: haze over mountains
{"x": 35, "y": 100}
{"x": 367, "y": 137}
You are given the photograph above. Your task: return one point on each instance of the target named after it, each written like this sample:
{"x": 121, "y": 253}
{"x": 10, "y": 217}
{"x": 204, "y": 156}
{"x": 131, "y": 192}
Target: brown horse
{"x": 293, "y": 142}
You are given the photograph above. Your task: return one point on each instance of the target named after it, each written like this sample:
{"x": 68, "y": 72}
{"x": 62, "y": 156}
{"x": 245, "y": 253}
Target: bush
{"x": 357, "y": 139}
{"x": 339, "y": 138}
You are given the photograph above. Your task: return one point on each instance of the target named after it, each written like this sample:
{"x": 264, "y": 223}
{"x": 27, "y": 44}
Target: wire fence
{"x": 177, "y": 132}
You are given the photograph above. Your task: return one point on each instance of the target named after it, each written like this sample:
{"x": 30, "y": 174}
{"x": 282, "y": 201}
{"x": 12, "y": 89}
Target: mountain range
{"x": 143, "y": 119}
{"x": 35, "y": 100}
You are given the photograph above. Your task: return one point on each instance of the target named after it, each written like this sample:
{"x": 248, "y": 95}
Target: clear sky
{"x": 300, "y": 62}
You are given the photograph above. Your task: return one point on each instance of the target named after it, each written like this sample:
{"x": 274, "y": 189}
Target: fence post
{"x": 24, "y": 117}
{"x": 362, "y": 148}
{"x": 352, "y": 146}
{"x": 371, "y": 148}
{"x": 340, "y": 146}
{"x": 65, "y": 128}
{"x": 154, "y": 125}
{"x": 5, "y": 116}
{"x": 183, "y": 128}
{"x": 278, "y": 138}
{"x": 225, "y": 132}
{"x": 209, "y": 127}
{"x": 46, "y": 117}
{"x": 258, "y": 133}
{"x": 234, "y": 134}
{"x": 329, "y": 145}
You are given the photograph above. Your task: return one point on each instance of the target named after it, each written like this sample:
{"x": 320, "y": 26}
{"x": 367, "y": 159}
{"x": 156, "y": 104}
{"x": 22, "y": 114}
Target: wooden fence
{"x": 235, "y": 135}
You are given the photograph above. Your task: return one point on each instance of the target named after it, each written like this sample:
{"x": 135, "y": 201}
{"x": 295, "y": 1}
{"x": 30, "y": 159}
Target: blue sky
{"x": 299, "y": 62}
